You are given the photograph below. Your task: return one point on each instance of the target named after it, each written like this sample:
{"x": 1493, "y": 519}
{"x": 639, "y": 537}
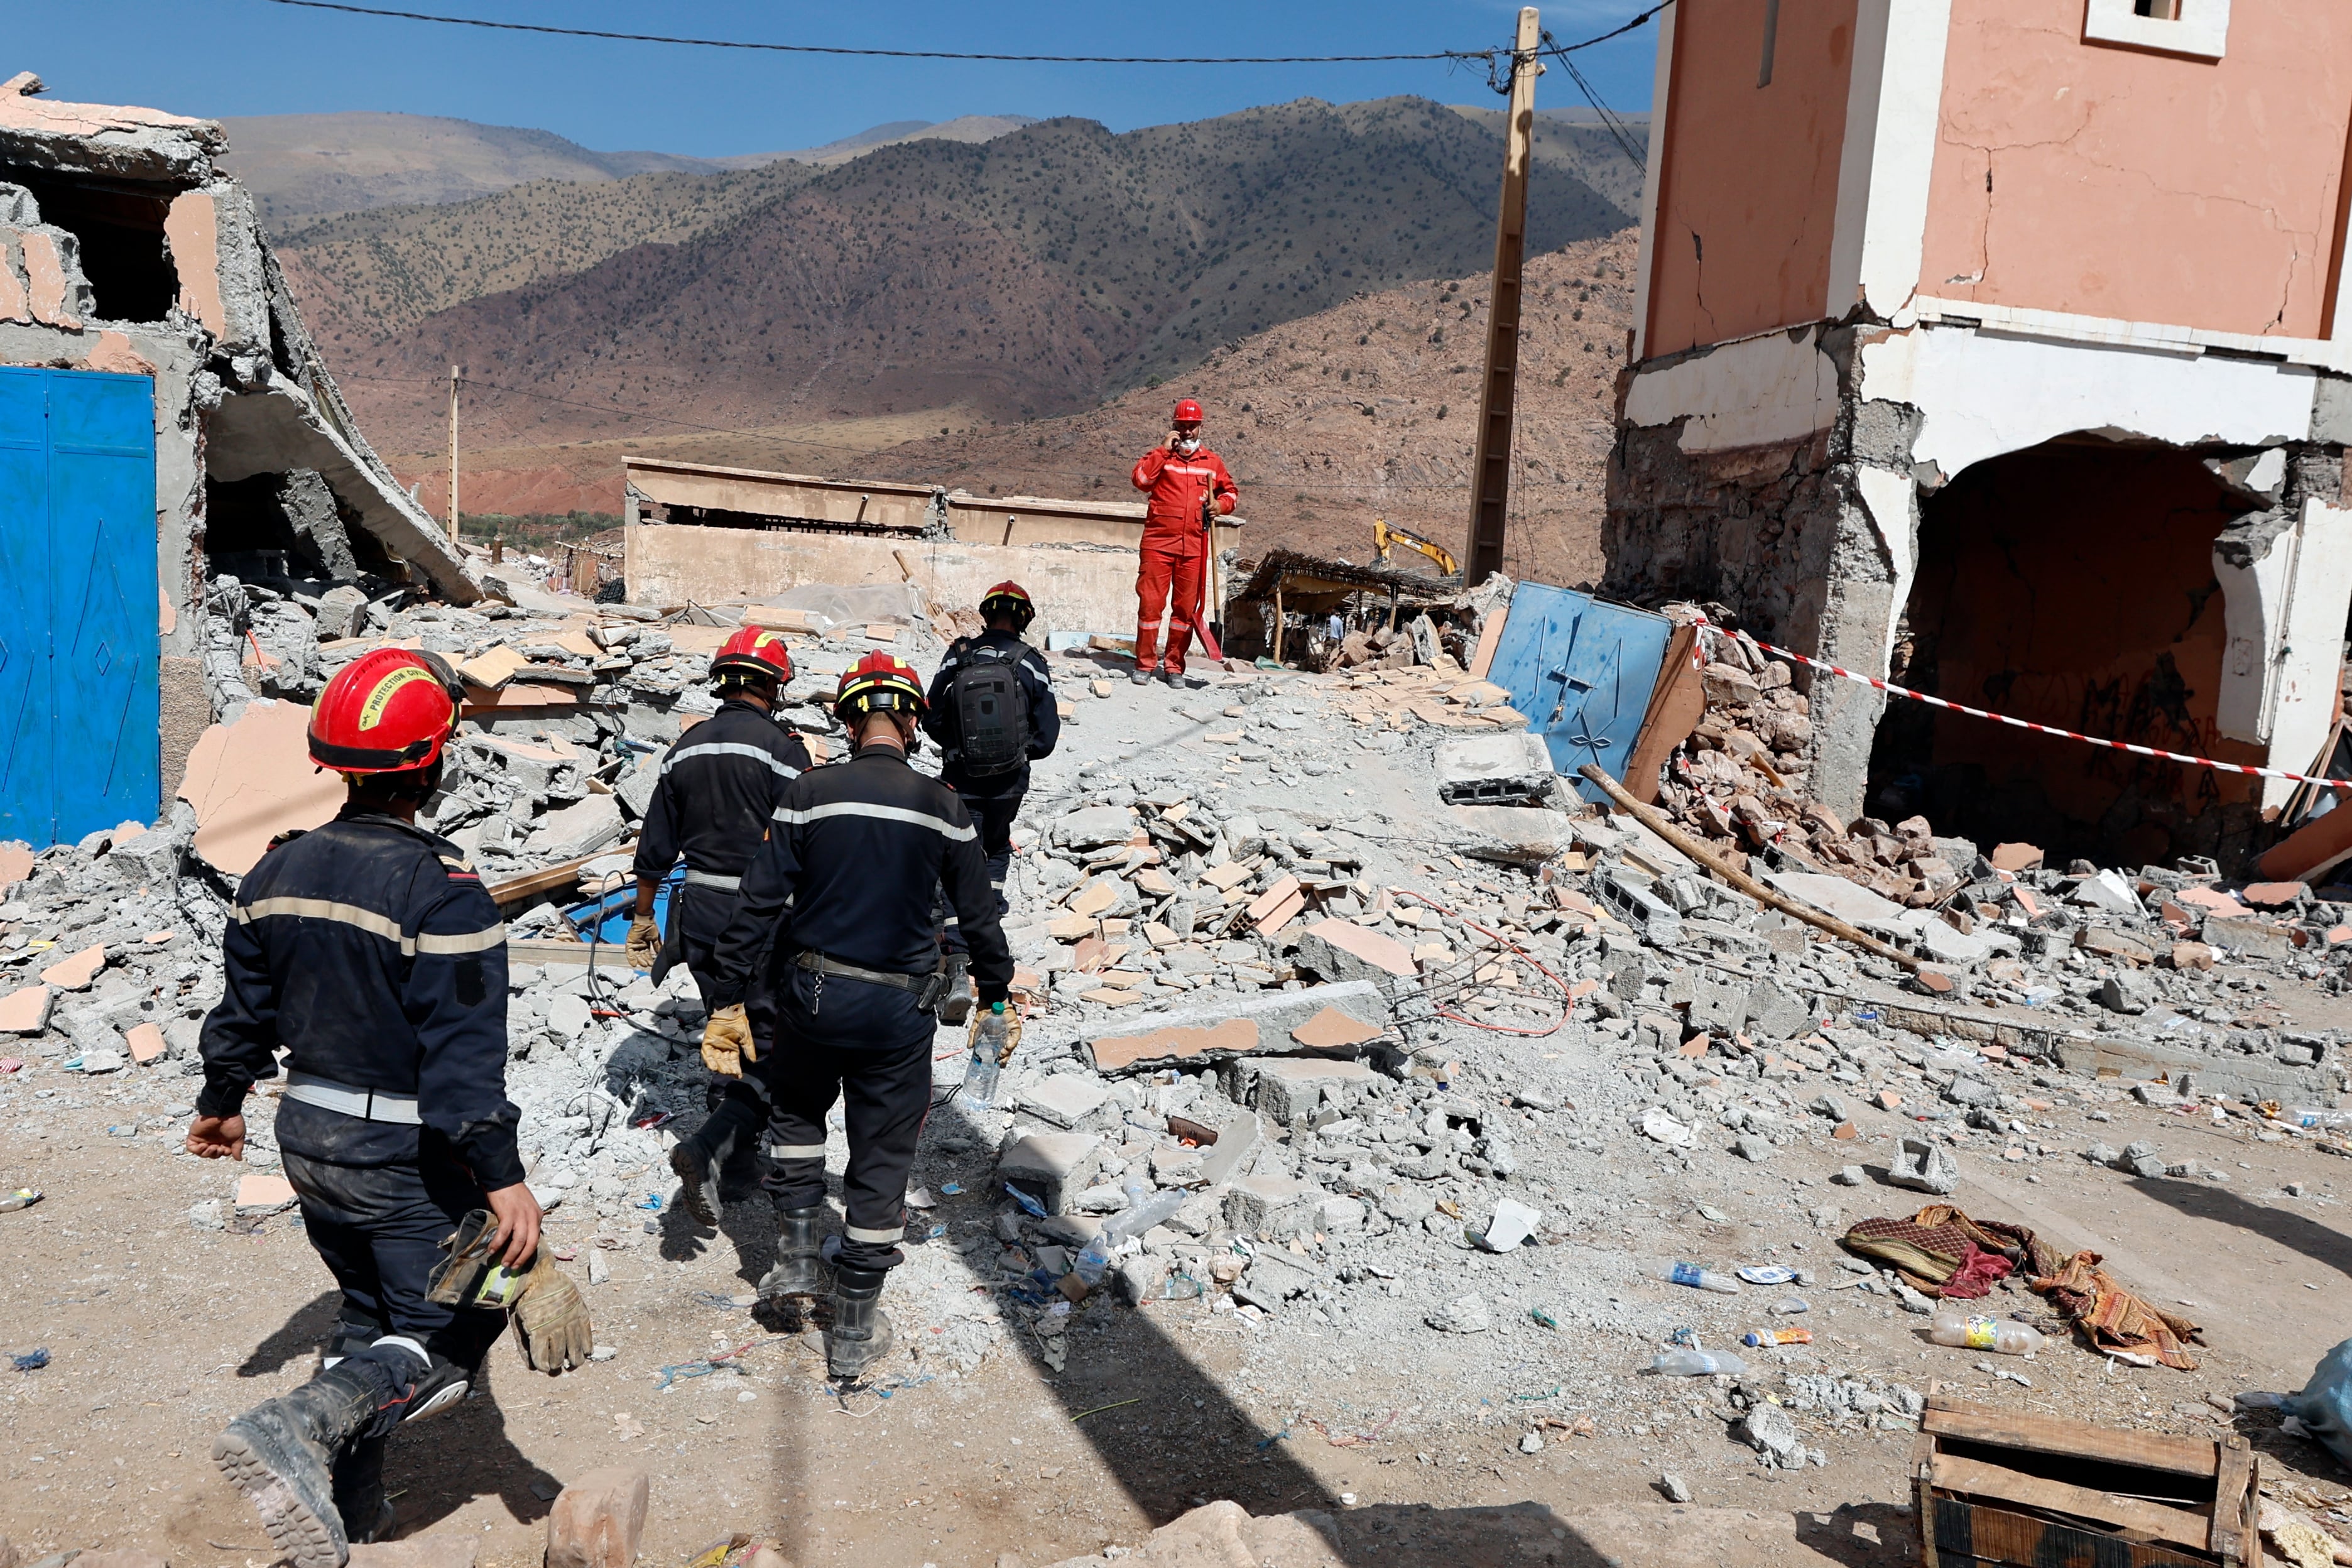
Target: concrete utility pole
{"x": 453, "y": 454}
{"x": 1490, "y": 468}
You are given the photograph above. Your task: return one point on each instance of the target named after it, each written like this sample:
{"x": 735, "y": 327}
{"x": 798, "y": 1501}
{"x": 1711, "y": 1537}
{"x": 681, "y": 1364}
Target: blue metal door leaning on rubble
{"x": 78, "y": 744}
{"x": 1581, "y": 671}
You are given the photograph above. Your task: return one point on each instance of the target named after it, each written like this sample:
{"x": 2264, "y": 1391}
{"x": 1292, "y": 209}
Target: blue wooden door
{"x": 1581, "y": 671}
{"x": 78, "y": 641}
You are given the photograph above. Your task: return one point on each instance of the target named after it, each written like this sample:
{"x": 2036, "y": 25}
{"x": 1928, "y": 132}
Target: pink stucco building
{"x": 2004, "y": 344}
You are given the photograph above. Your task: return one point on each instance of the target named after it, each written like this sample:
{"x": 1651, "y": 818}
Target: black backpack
{"x": 991, "y": 712}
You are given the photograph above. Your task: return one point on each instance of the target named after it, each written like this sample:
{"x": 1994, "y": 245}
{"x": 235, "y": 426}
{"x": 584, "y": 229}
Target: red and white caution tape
{"x": 1894, "y": 690}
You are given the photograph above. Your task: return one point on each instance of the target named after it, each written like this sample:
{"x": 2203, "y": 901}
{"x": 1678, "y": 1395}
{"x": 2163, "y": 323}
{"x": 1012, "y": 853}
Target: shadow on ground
{"x": 2295, "y": 1232}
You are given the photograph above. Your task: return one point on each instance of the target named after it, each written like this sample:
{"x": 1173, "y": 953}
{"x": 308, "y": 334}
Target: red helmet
{"x": 1188, "y": 412}
{"x": 387, "y": 711}
{"x": 755, "y": 651}
{"x": 1009, "y": 599}
{"x": 879, "y": 683}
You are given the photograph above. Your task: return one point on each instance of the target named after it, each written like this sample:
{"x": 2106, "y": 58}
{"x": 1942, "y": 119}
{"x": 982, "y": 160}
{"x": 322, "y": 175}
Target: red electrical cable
{"x": 1568, "y": 1003}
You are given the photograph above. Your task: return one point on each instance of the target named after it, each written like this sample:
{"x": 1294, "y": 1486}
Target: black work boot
{"x": 282, "y": 1456}
{"x": 359, "y": 1492}
{"x": 700, "y": 1163}
{"x": 799, "y": 1272}
{"x": 956, "y": 1007}
{"x": 861, "y": 1333}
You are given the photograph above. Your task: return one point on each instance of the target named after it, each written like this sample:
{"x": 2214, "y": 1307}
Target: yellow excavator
{"x": 1385, "y": 535}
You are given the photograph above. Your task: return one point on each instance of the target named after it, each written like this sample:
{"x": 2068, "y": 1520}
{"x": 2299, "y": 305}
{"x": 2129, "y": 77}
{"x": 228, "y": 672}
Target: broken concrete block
{"x": 1273, "y": 1206}
{"x": 1511, "y": 834}
{"x": 2126, "y": 991}
{"x": 1774, "y": 1013}
{"x": 598, "y": 1520}
{"x": 1229, "y": 1027}
{"x": 148, "y": 859}
{"x": 1274, "y": 1277}
{"x": 1511, "y": 1224}
{"x": 2109, "y": 943}
{"x": 146, "y": 1044}
{"x": 1631, "y": 901}
{"x": 1065, "y": 1100}
{"x": 1052, "y": 1167}
{"x": 1237, "y": 1138}
{"x": 583, "y": 828}
{"x": 1924, "y": 1166}
{"x": 1772, "y": 1431}
{"x": 1288, "y": 1092}
{"x": 27, "y": 1011}
{"x": 1093, "y": 827}
{"x": 261, "y": 1194}
{"x": 1495, "y": 770}
{"x": 1342, "y": 950}
{"x": 2248, "y": 939}
{"x": 569, "y": 1016}
{"x": 2106, "y": 891}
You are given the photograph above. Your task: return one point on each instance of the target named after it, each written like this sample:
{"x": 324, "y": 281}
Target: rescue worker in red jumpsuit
{"x": 1179, "y": 475}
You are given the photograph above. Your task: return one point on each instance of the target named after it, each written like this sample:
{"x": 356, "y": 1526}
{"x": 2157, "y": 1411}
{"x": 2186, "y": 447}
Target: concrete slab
{"x": 1229, "y": 1026}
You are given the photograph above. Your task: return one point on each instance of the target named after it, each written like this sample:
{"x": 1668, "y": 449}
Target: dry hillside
{"x": 1361, "y": 411}
{"x": 1031, "y": 275}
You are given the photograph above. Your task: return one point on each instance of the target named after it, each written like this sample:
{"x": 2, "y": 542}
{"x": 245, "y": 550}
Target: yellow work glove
{"x": 550, "y": 1319}
{"x": 726, "y": 1042}
{"x": 644, "y": 943}
{"x": 998, "y": 1026}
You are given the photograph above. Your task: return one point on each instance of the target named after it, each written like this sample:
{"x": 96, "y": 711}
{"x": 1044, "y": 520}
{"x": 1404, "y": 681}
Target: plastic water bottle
{"x": 983, "y": 1071}
{"x": 1756, "y": 1337}
{"x": 1704, "y": 1279}
{"x": 1696, "y": 1363}
{"x": 1952, "y": 1325}
{"x": 1145, "y": 1208}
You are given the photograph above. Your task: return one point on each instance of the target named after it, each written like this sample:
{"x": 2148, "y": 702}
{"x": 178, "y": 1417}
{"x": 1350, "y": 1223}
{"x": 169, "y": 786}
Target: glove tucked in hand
{"x": 551, "y": 1320}
{"x": 726, "y": 1042}
{"x": 644, "y": 943}
{"x": 998, "y": 1026}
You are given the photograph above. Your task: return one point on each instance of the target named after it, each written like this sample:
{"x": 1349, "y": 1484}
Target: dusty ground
{"x": 159, "y": 1332}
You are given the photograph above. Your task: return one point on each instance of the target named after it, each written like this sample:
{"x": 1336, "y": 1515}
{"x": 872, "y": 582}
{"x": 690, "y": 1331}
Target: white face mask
{"x": 1187, "y": 445}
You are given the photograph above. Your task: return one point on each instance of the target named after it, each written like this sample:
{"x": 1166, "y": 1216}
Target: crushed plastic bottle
{"x": 1704, "y": 1279}
{"x": 1145, "y": 1208}
{"x": 1696, "y": 1363}
{"x": 1763, "y": 1337}
{"x": 1952, "y": 1326}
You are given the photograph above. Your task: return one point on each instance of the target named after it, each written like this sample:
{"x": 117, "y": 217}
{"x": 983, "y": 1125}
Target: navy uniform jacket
{"x": 1044, "y": 715}
{"x": 852, "y": 859}
{"x": 720, "y": 788}
{"x": 371, "y": 952}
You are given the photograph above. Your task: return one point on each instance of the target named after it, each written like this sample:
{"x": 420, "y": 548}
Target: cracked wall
{"x": 2139, "y": 186}
{"x": 1742, "y": 242}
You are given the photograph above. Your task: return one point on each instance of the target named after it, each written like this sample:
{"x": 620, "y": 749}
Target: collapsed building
{"x": 2000, "y": 350}
{"x": 169, "y": 437}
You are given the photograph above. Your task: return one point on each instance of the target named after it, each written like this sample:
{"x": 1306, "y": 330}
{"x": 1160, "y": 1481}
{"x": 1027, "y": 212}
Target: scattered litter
{"x": 31, "y": 1361}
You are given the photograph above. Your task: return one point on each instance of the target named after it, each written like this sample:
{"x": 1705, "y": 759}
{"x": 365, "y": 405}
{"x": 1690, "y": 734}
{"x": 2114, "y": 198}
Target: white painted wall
{"x": 2254, "y": 606}
{"x": 1752, "y": 392}
{"x": 1661, "y": 90}
{"x": 1894, "y": 112}
{"x": 1986, "y": 393}
{"x": 1890, "y": 498}
{"x": 2308, "y": 665}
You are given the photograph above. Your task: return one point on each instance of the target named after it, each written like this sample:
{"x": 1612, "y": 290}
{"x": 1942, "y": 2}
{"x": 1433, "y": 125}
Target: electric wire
{"x": 1454, "y": 57}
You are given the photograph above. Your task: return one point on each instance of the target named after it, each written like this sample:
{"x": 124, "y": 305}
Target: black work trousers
{"x": 738, "y": 1106}
{"x": 379, "y": 1230}
{"x": 867, "y": 1048}
{"x": 993, "y": 816}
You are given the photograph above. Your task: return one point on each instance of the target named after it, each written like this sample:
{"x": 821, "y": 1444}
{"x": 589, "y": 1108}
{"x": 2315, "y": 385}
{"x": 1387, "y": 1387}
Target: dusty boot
{"x": 957, "y": 1006}
{"x": 359, "y": 1492}
{"x": 1139, "y": 675}
{"x": 861, "y": 1334}
{"x": 700, "y": 1163}
{"x": 282, "y": 1456}
{"x": 799, "y": 1272}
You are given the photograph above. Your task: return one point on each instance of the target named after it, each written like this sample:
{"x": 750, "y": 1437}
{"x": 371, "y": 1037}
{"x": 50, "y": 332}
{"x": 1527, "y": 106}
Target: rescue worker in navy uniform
{"x": 834, "y": 924}
{"x": 370, "y": 951}
{"x": 720, "y": 786}
{"x": 996, "y": 685}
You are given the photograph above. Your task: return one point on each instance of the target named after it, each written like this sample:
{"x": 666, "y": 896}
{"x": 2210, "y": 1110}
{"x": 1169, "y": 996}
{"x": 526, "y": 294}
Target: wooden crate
{"x": 1994, "y": 1489}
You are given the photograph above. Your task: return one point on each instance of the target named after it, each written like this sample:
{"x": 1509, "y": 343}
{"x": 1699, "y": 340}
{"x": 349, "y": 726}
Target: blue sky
{"x": 251, "y": 56}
